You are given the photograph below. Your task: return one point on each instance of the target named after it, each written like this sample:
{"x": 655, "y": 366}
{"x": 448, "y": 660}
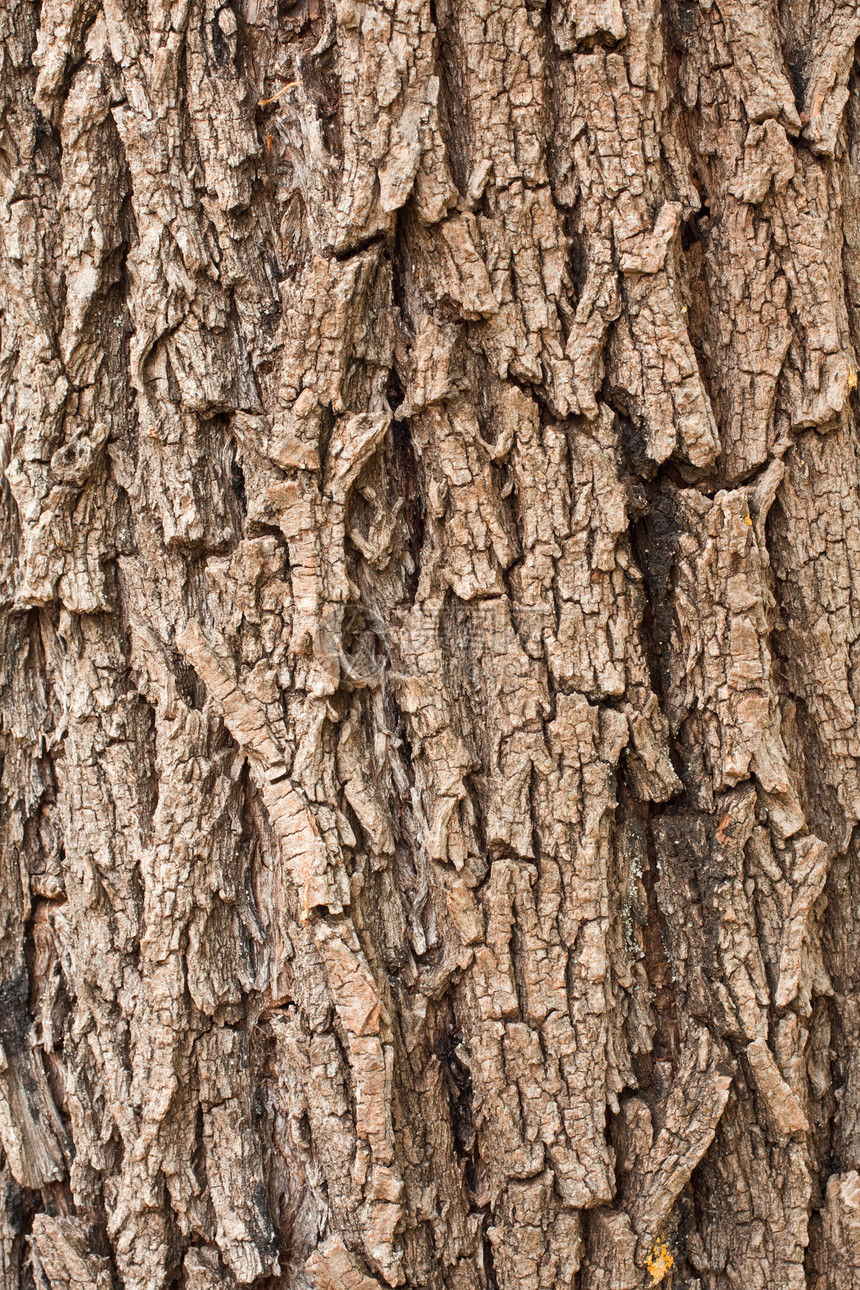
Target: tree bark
{"x": 429, "y": 645}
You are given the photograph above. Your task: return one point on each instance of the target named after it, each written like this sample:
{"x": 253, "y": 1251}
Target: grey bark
{"x": 429, "y": 629}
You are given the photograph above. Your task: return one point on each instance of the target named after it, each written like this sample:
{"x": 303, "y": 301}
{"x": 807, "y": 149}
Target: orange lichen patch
{"x": 659, "y": 1262}
{"x": 724, "y": 829}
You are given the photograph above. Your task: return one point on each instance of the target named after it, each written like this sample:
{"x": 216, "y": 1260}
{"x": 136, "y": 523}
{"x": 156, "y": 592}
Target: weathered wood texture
{"x": 429, "y": 645}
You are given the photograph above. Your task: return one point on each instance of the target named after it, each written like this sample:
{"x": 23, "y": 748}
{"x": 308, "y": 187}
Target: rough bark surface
{"x": 430, "y": 644}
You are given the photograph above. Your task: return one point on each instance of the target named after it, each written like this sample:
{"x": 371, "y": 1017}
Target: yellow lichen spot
{"x": 852, "y": 379}
{"x": 659, "y": 1262}
{"x": 748, "y": 520}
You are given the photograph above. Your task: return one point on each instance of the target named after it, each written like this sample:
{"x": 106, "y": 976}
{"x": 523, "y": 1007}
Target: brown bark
{"x": 429, "y": 645}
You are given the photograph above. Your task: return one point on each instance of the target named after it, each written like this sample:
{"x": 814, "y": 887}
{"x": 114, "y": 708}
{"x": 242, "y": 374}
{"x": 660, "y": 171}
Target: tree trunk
{"x": 430, "y": 645}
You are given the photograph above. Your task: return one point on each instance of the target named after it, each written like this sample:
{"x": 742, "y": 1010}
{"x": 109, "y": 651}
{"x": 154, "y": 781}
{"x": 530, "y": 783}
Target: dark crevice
{"x": 221, "y": 54}
{"x": 394, "y": 390}
{"x": 143, "y": 734}
{"x": 258, "y": 529}
{"x": 237, "y": 479}
{"x": 359, "y": 247}
{"x": 457, "y": 1082}
{"x": 658, "y": 969}
{"x": 400, "y": 256}
{"x": 489, "y": 1264}
{"x": 409, "y": 484}
{"x": 654, "y": 536}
